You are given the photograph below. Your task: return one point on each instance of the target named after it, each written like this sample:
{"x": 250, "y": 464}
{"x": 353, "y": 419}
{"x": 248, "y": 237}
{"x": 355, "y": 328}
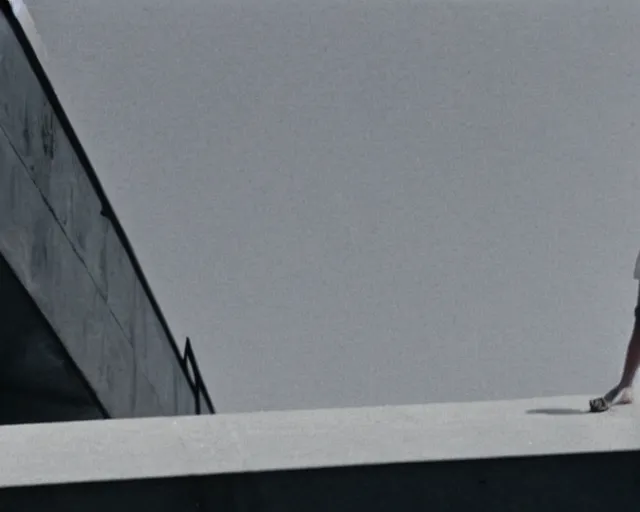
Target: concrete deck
{"x": 526, "y": 455}
{"x": 276, "y": 441}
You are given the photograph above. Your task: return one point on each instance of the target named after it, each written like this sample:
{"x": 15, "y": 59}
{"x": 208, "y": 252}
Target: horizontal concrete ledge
{"x": 130, "y": 449}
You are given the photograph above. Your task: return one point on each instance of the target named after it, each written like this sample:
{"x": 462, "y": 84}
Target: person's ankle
{"x": 611, "y": 395}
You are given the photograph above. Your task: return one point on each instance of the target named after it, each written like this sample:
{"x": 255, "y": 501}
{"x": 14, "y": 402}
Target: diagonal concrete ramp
{"x": 63, "y": 245}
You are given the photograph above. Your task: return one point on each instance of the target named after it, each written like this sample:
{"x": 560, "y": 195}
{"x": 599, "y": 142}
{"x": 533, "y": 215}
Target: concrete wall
{"x": 60, "y": 239}
{"x": 591, "y": 482}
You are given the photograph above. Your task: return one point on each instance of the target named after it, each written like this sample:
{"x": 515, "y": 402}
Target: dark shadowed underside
{"x": 38, "y": 381}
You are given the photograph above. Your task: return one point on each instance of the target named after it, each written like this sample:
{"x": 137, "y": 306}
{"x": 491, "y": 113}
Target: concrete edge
{"x": 21, "y": 13}
{"x": 130, "y": 449}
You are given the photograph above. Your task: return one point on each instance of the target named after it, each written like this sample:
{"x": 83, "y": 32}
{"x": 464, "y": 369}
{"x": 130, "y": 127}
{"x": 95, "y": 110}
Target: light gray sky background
{"x": 349, "y": 202}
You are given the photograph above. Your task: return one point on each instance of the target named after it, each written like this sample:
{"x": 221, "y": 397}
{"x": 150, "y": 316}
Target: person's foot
{"x": 599, "y": 404}
{"x": 626, "y": 397}
{"x": 616, "y": 396}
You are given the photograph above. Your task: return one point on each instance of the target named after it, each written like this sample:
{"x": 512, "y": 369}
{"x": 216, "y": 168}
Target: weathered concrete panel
{"x": 153, "y": 352}
{"x": 66, "y": 209}
{"x": 121, "y": 281}
{"x": 42, "y": 257}
{"x": 185, "y": 399}
{"x": 44, "y": 148}
{"x": 145, "y": 401}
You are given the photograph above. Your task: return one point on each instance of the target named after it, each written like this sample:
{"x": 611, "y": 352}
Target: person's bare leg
{"x": 623, "y": 390}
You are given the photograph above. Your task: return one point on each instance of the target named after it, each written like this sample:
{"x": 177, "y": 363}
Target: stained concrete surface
{"x": 59, "y": 238}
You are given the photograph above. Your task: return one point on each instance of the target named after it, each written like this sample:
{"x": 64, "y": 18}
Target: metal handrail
{"x": 190, "y": 359}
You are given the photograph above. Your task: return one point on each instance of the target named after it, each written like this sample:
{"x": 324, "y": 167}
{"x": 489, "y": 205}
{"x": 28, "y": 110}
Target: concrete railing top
{"x": 270, "y": 441}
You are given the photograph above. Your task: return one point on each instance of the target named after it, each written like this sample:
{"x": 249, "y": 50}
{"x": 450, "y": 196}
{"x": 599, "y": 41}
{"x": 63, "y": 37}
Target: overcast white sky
{"x": 349, "y": 202}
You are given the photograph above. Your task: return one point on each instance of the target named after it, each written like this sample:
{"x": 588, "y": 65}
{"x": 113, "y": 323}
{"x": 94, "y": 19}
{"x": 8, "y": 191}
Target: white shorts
{"x": 636, "y": 272}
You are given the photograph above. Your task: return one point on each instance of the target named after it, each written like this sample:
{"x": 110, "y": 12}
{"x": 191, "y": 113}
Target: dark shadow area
{"x": 558, "y": 411}
{"x": 38, "y": 381}
{"x": 587, "y": 482}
